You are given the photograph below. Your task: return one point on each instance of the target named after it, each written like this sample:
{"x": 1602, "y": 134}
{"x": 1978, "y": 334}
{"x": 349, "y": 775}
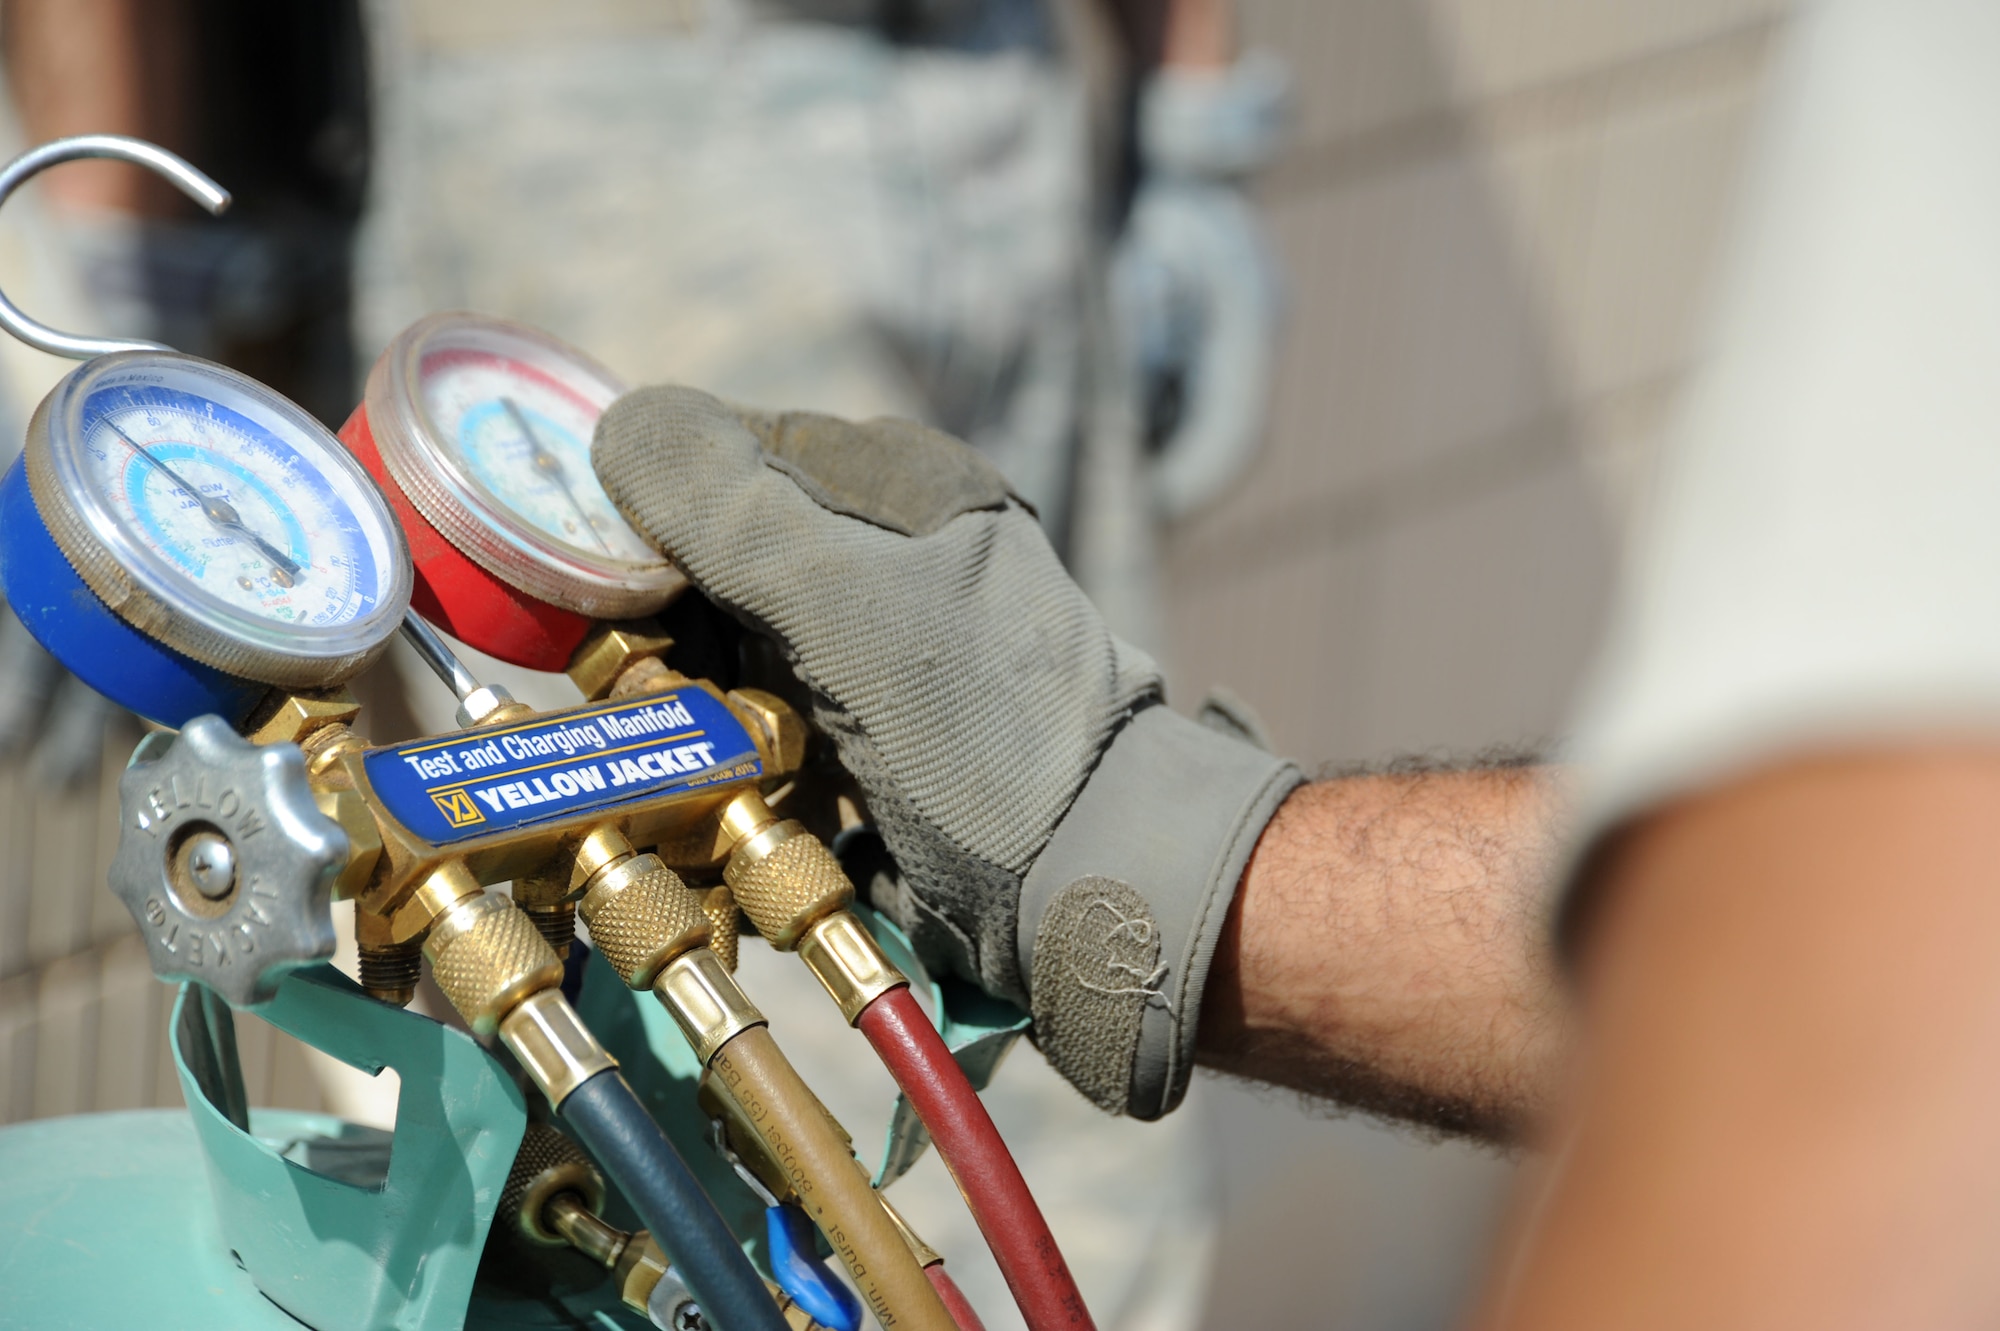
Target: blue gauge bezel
{"x": 66, "y": 617}
{"x": 149, "y": 589}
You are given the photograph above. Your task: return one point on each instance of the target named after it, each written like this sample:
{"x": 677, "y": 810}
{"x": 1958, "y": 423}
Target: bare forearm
{"x": 1388, "y": 950}
{"x": 1790, "y": 1055}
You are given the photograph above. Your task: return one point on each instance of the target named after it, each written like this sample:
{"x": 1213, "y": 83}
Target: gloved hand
{"x": 1062, "y": 838}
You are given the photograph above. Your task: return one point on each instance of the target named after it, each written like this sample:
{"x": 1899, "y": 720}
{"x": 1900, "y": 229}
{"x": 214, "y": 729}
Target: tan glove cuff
{"x": 1121, "y": 911}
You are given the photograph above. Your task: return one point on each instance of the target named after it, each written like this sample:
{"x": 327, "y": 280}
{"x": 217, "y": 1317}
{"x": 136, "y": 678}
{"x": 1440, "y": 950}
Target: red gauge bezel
{"x": 458, "y": 595}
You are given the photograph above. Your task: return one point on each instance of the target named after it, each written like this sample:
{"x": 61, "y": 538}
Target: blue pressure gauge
{"x": 182, "y": 538}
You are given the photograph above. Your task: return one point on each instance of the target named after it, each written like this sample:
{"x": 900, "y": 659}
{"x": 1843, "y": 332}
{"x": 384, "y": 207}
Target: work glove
{"x": 1062, "y": 839}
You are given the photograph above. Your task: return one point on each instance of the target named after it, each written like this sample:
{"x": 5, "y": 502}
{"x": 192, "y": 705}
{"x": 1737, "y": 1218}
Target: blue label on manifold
{"x": 486, "y": 781}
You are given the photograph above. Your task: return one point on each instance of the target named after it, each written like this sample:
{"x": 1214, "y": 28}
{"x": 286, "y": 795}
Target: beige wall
{"x": 1497, "y": 217}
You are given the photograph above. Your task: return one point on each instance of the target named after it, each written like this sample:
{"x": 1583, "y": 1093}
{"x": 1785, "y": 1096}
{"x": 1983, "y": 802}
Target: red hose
{"x": 979, "y": 1162}
{"x": 954, "y": 1299}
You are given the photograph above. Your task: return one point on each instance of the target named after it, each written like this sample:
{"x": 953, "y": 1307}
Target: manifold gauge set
{"x": 613, "y": 1136}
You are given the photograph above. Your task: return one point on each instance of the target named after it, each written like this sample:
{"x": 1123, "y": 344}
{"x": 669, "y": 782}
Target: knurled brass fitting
{"x": 786, "y": 880}
{"x": 641, "y": 916}
{"x": 705, "y": 1001}
{"x": 719, "y": 904}
{"x": 487, "y": 956}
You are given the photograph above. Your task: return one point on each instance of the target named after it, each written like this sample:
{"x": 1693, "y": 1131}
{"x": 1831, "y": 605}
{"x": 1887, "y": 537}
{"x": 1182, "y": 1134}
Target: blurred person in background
{"x": 267, "y": 98}
{"x": 1768, "y": 1084}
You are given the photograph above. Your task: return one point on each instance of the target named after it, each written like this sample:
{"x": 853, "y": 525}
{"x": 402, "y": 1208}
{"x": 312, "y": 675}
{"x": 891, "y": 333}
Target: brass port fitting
{"x": 547, "y": 1166}
{"x": 364, "y": 838}
{"x": 611, "y": 651}
{"x": 389, "y": 969}
{"x": 784, "y": 730}
{"x": 639, "y": 1270}
{"x": 556, "y": 923}
{"x": 554, "y": 1198}
{"x": 288, "y": 717}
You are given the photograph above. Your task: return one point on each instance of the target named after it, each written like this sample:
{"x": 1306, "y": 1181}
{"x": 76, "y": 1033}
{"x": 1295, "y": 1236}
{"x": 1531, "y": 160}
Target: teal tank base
{"x": 227, "y": 1216}
{"x": 330, "y": 1231}
{"x": 124, "y": 1233}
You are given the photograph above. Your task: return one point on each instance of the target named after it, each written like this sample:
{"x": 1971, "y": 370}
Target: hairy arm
{"x": 1790, "y": 1062}
{"x": 1389, "y": 950}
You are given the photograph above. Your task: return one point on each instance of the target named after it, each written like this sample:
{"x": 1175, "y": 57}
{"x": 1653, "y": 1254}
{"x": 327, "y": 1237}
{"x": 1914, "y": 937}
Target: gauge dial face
{"x": 262, "y": 546}
{"x": 231, "y": 506}
{"x": 523, "y": 435}
{"x": 486, "y": 425}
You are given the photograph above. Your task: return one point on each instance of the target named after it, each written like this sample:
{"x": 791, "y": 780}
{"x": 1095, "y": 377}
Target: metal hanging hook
{"x": 192, "y": 183}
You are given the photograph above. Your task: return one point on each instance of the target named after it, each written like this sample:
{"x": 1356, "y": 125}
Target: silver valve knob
{"x": 225, "y": 861}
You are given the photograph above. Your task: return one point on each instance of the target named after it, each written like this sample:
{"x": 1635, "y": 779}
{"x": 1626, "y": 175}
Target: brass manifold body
{"x": 432, "y": 825}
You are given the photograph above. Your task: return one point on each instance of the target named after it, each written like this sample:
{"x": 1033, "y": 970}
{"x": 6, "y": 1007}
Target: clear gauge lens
{"x": 223, "y": 518}
{"x": 487, "y": 426}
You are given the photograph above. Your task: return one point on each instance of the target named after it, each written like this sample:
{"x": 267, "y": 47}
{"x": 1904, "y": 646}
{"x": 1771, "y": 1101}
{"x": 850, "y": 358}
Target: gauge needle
{"x": 551, "y": 466}
{"x": 217, "y": 511}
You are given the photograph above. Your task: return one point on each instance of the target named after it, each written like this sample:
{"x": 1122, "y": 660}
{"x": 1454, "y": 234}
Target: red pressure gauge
{"x": 479, "y": 431}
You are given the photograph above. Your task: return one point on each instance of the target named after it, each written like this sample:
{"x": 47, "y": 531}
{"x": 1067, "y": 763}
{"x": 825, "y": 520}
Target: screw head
{"x": 208, "y": 863}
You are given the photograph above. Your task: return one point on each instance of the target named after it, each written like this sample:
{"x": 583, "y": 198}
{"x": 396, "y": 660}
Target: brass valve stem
{"x": 651, "y": 928}
{"x": 795, "y": 892}
{"x": 584, "y": 1230}
{"x": 554, "y": 1196}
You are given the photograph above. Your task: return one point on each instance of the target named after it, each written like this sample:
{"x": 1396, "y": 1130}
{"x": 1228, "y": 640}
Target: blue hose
{"x": 638, "y": 1158}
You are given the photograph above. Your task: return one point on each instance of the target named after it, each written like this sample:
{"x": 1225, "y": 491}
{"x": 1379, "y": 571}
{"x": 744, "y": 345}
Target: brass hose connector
{"x": 487, "y": 956}
{"x": 554, "y": 1198}
{"x": 502, "y": 976}
{"x": 652, "y": 929}
{"x": 784, "y": 877}
{"x": 642, "y": 916}
{"x": 796, "y": 893}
